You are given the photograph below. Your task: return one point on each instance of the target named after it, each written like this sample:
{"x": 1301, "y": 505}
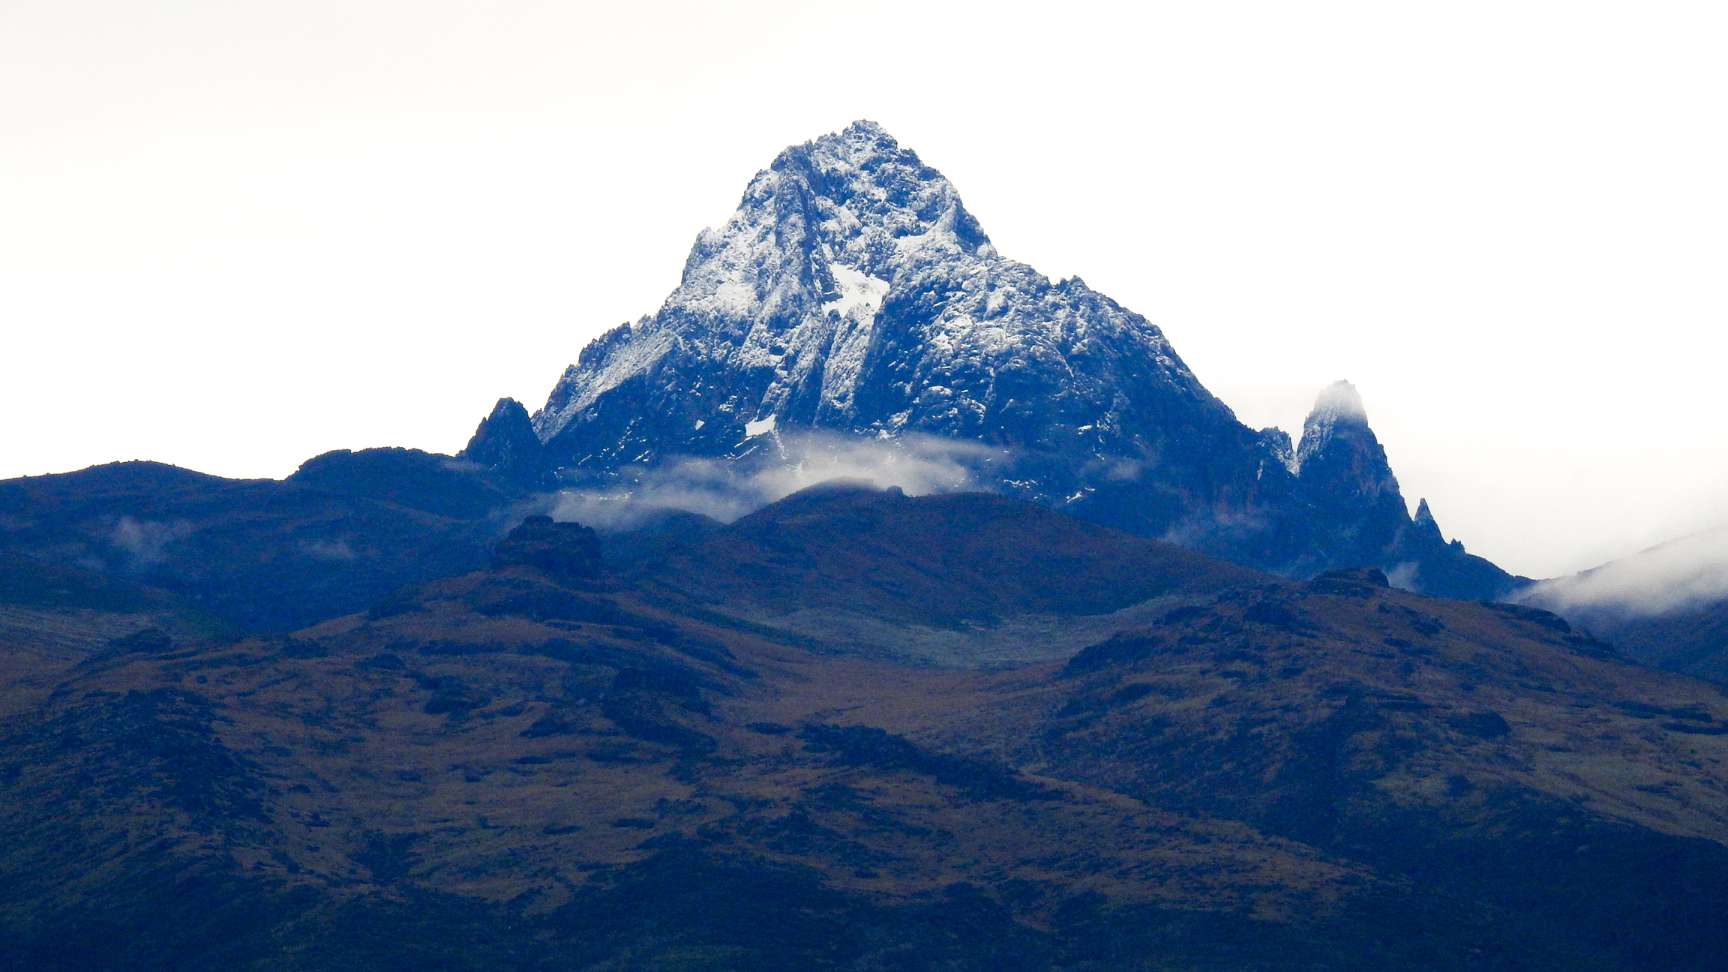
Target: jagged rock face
{"x": 1339, "y": 452}
{"x": 1344, "y": 475}
{"x": 852, "y": 294}
{"x": 1425, "y": 525}
{"x": 568, "y": 551}
{"x": 1344, "y": 469}
{"x": 506, "y": 441}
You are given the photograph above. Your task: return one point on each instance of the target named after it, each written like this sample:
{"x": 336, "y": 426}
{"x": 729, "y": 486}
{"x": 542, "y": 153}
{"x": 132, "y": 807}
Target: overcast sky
{"x": 236, "y": 234}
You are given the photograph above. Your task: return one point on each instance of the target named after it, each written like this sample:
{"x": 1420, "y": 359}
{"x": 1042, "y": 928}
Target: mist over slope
{"x": 1676, "y": 576}
{"x": 1667, "y": 605}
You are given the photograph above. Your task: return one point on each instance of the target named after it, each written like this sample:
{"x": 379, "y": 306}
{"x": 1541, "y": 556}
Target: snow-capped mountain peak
{"x": 851, "y": 294}
{"x": 1338, "y": 404}
{"x": 852, "y": 291}
{"x": 852, "y": 199}
{"x": 794, "y": 279}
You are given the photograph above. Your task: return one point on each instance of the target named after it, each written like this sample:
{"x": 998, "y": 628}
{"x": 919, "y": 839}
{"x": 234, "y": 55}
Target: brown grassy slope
{"x": 1486, "y": 752}
{"x": 517, "y": 753}
{"x": 1269, "y": 764}
{"x": 963, "y": 579}
{"x": 1692, "y": 641}
{"x": 1446, "y": 696}
{"x": 53, "y": 616}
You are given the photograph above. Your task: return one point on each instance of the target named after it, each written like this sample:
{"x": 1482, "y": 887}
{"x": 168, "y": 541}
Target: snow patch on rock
{"x": 860, "y": 295}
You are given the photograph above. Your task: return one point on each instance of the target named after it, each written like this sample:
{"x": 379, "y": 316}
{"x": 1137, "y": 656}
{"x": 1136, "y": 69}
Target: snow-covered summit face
{"x": 1339, "y": 400}
{"x": 837, "y": 218}
{"x": 1337, "y": 404}
{"x": 798, "y": 273}
{"x": 851, "y": 296}
{"x": 852, "y": 291}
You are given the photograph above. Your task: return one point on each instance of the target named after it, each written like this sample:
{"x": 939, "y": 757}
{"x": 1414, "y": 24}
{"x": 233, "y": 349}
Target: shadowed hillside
{"x": 262, "y": 554}
{"x": 954, "y": 579}
{"x": 545, "y": 763}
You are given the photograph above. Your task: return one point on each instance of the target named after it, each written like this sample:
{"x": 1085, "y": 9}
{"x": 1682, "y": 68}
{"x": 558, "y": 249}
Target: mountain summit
{"x": 853, "y": 296}
{"x": 853, "y": 292}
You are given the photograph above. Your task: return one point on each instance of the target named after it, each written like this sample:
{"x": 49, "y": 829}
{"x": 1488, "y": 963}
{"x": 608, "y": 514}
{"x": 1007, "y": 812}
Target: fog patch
{"x": 1200, "y": 532}
{"x": 1120, "y": 469}
{"x": 332, "y": 550}
{"x": 1676, "y": 576}
{"x": 145, "y": 542}
{"x": 726, "y": 489}
{"x": 1403, "y": 575}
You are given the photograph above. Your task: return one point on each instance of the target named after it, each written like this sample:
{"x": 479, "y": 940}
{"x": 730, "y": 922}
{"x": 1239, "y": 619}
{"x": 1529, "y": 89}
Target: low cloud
{"x": 727, "y": 489}
{"x": 146, "y": 542}
{"x": 1117, "y": 470}
{"x": 1404, "y": 574}
{"x": 1197, "y": 530}
{"x": 1676, "y": 576}
{"x": 331, "y": 550}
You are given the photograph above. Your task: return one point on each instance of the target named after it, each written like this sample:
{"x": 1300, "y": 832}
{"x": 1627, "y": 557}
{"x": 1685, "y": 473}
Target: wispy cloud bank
{"x": 727, "y": 489}
{"x": 1675, "y": 576}
{"x": 329, "y": 550}
{"x": 146, "y": 541}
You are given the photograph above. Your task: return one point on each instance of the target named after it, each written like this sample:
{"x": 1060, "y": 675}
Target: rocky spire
{"x": 1425, "y": 525}
{"x": 505, "y": 441}
{"x": 1339, "y": 453}
{"x": 1337, "y": 407}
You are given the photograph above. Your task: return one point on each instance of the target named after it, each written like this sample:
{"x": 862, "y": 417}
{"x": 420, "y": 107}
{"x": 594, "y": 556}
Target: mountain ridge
{"x": 534, "y": 761}
{"x": 852, "y": 293}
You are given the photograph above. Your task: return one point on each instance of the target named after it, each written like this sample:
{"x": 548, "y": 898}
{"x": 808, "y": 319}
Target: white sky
{"x": 236, "y": 234}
